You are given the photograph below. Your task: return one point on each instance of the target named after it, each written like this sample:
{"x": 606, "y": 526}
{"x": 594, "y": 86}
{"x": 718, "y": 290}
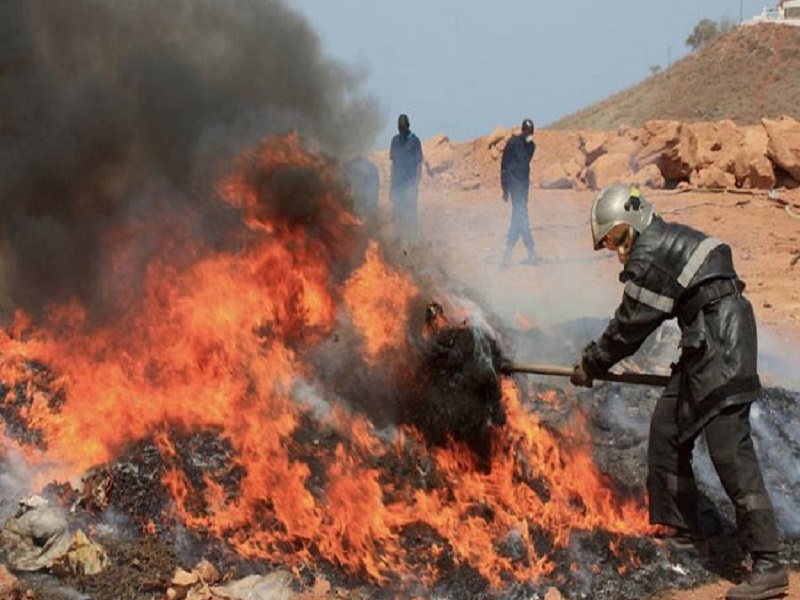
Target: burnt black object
{"x": 454, "y": 393}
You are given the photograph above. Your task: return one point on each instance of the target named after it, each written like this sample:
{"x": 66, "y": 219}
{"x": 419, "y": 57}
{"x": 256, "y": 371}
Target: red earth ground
{"x": 465, "y": 230}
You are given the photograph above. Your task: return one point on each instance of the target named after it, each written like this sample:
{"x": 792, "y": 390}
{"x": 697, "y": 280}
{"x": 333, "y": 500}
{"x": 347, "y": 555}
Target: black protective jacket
{"x": 515, "y": 165}
{"x": 676, "y": 271}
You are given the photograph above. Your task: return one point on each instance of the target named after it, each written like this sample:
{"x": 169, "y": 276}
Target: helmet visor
{"x": 620, "y": 240}
{"x": 617, "y": 237}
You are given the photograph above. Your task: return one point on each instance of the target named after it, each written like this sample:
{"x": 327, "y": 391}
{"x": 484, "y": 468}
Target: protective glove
{"x": 580, "y": 375}
{"x": 505, "y": 196}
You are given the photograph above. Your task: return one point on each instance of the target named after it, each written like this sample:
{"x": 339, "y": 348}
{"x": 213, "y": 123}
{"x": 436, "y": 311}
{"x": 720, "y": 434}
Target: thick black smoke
{"x": 109, "y": 110}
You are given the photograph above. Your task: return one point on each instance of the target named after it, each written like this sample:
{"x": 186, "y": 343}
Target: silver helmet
{"x": 617, "y": 204}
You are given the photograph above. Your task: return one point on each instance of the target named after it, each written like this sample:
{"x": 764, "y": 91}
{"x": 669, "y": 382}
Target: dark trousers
{"x": 520, "y": 223}
{"x": 671, "y": 485}
{"x": 404, "y": 212}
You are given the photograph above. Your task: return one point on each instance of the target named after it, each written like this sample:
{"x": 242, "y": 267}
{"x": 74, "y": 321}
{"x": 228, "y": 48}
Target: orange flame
{"x": 219, "y": 344}
{"x": 378, "y": 301}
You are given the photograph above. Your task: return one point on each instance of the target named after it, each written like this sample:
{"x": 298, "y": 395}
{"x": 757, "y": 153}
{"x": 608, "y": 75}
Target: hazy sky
{"x": 462, "y": 67}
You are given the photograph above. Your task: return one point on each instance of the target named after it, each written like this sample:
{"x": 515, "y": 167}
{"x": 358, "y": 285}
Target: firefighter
{"x": 515, "y": 171}
{"x": 671, "y": 270}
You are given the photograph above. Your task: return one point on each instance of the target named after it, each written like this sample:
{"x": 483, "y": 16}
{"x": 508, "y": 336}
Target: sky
{"x": 463, "y": 67}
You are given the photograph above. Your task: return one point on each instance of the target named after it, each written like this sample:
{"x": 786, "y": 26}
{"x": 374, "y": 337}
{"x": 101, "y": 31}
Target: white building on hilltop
{"x": 786, "y": 13}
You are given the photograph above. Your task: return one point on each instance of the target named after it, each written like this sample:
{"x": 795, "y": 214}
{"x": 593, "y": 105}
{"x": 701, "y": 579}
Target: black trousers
{"x": 520, "y": 223}
{"x": 671, "y": 484}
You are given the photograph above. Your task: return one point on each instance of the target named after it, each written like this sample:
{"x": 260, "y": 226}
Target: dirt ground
{"x": 464, "y": 231}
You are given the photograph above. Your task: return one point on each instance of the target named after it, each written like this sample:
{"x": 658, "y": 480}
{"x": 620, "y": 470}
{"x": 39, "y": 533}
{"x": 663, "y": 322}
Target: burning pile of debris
{"x": 139, "y": 545}
{"x": 290, "y": 400}
{"x": 289, "y": 410}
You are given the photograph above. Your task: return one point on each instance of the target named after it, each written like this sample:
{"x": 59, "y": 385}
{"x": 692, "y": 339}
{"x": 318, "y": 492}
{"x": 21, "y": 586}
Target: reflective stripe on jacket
{"x": 668, "y": 265}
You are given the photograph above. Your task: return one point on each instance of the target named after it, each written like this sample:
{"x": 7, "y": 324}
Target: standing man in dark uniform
{"x": 672, "y": 270}
{"x": 515, "y": 171}
{"x": 406, "y": 156}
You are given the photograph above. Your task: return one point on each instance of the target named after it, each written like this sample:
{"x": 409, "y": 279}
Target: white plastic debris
{"x": 275, "y": 586}
{"x": 38, "y": 537}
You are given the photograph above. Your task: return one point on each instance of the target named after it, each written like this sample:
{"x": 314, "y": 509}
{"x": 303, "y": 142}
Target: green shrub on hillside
{"x": 706, "y": 30}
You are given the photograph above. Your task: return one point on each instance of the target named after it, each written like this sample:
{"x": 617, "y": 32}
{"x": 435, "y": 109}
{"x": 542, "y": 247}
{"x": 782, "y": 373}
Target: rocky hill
{"x": 744, "y": 75}
{"x": 660, "y": 154}
{"x": 724, "y": 117}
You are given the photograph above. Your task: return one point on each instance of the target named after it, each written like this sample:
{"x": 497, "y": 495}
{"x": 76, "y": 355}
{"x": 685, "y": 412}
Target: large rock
{"x": 760, "y": 174}
{"x": 649, "y": 176}
{"x": 437, "y": 153}
{"x": 717, "y": 144}
{"x": 784, "y": 144}
{"x": 608, "y": 169}
{"x": 724, "y": 149}
{"x": 495, "y": 142}
{"x": 481, "y": 158}
{"x": 626, "y": 141}
{"x": 500, "y": 134}
{"x": 557, "y": 175}
{"x": 558, "y": 156}
{"x": 594, "y": 144}
{"x": 713, "y": 178}
{"x": 752, "y": 167}
{"x": 671, "y": 146}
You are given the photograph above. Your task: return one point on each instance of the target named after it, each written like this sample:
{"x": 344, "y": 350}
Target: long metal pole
{"x": 557, "y": 371}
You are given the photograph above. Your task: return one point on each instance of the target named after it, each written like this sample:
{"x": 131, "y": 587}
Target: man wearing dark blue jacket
{"x": 515, "y": 171}
{"x": 406, "y": 156}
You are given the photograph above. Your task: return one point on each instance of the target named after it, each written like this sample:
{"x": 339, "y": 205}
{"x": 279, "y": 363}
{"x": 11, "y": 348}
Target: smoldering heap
{"x": 456, "y": 394}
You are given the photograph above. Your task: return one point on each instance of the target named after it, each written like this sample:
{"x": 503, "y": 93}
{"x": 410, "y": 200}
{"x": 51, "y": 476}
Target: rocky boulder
{"x": 717, "y": 144}
{"x": 593, "y": 144}
{"x": 649, "y": 176}
{"x": 495, "y": 142}
{"x": 670, "y": 145}
{"x": 784, "y": 144}
{"x": 558, "y": 156}
{"x": 712, "y": 178}
{"x": 608, "y": 169}
{"x": 752, "y": 167}
{"x": 626, "y": 141}
{"x": 557, "y": 175}
{"x": 437, "y": 153}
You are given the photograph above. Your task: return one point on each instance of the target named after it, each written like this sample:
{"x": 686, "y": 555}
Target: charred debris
{"x": 453, "y": 394}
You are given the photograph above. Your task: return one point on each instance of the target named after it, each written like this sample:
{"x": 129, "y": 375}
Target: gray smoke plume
{"x": 112, "y": 109}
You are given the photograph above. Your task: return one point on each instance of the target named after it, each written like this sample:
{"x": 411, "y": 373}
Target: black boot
{"x": 768, "y": 579}
{"x": 685, "y": 540}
